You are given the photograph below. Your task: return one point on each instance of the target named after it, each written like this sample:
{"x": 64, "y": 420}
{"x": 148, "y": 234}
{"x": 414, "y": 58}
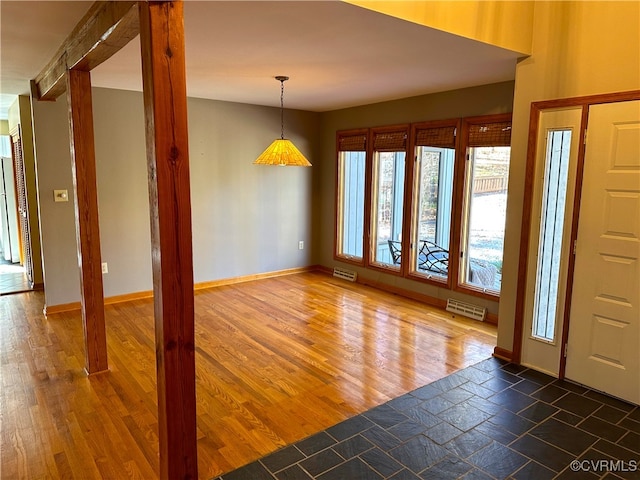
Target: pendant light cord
{"x": 282, "y": 109}
{"x": 282, "y": 151}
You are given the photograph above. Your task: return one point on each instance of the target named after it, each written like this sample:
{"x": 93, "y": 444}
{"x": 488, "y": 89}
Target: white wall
{"x": 247, "y": 219}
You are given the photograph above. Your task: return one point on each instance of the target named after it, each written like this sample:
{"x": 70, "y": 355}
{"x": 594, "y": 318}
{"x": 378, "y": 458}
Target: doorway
{"x": 580, "y": 297}
{"x": 14, "y": 276}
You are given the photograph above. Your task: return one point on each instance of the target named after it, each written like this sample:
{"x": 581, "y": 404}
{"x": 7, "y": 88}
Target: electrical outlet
{"x": 300, "y": 245}
{"x": 105, "y": 268}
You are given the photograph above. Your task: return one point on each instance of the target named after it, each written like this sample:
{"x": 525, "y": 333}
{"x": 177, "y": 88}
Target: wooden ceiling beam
{"x": 104, "y": 30}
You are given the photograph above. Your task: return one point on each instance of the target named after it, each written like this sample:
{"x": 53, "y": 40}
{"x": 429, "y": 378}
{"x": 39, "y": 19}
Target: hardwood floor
{"x": 277, "y": 360}
{"x": 13, "y": 278}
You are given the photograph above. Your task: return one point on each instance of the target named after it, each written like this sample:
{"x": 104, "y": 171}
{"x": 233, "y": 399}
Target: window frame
{"x": 452, "y": 282}
{"x": 370, "y": 205}
{"x": 462, "y": 188}
{"x": 412, "y": 250}
{"x": 339, "y": 214}
{"x": 560, "y": 242}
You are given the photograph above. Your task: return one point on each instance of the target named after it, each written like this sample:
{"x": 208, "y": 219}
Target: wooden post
{"x": 165, "y": 104}
{"x": 83, "y": 164}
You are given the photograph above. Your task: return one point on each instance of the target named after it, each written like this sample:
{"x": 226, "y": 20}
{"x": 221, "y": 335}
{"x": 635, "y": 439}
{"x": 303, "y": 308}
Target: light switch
{"x": 60, "y": 196}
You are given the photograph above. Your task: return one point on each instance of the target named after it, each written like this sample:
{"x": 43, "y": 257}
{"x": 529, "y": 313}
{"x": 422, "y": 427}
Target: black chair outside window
{"x": 395, "y": 248}
{"x": 433, "y": 258}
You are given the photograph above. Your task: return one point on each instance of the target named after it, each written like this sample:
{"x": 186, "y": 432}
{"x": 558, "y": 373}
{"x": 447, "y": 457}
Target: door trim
{"x": 527, "y": 206}
{"x": 574, "y": 235}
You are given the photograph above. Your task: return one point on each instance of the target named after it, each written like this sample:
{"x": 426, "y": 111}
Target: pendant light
{"x": 282, "y": 151}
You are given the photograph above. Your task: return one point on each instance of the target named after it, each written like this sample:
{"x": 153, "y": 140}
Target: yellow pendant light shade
{"x": 282, "y": 152}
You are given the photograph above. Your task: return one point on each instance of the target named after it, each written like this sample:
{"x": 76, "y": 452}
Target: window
{"x": 351, "y": 194}
{"x": 438, "y": 217}
{"x": 432, "y": 200}
{"x": 389, "y": 152}
{"x": 556, "y": 173}
{"x": 484, "y": 205}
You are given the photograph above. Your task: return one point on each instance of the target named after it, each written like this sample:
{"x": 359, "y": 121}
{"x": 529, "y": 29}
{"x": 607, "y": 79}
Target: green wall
{"x": 483, "y": 100}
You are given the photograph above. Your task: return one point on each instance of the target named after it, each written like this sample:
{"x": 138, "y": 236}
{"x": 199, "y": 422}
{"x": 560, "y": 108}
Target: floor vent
{"x": 466, "y": 309}
{"x": 345, "y": 274}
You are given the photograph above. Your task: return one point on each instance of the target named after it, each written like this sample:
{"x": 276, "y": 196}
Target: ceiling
{"x": 337, "y": 55}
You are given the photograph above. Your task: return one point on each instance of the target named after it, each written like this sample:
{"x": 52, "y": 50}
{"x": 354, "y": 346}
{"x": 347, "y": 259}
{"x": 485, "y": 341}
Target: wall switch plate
{"x": 60, "y": 196}
{"x": 300, "y": 245}
{"x": 105, "y": 268}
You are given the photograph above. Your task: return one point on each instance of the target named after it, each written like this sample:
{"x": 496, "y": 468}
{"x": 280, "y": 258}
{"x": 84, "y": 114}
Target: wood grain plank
{"x": 103, "y": 31}
{"x": 278, "y": 359}
{"x": 165, "y": 105}
{"x": 83, "y": 165}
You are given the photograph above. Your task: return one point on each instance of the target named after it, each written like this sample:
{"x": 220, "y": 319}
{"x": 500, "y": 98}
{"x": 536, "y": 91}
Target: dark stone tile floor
{"x": 493, "y": 420}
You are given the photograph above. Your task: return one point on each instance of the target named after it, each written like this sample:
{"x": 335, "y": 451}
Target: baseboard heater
{"x": 466, "y": 309}
{"x": 345, "y": 274}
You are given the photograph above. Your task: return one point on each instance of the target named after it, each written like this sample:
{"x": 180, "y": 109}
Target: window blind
{"x": 443, "y": 137}
{"x": 352, "y": 143}
{"x": 490, "y": 135}
{"x": 390, "y": 141}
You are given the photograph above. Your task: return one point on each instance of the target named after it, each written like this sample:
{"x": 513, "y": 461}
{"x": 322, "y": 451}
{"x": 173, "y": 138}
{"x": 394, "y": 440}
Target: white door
{"x": 604, "y": 330}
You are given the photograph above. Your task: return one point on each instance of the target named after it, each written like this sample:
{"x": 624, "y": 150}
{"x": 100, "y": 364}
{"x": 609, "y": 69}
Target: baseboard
{"x": 420, "y": 297}
{"x": 63, "y": 307}
{"x": 491, "y": 318}
{"x": 503, "y": 354}
{"x": 323, "y": 269}
{"x": 73, "y": 306}
{"x": 250, "y": 278}
{"x": 128, "y": 297}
